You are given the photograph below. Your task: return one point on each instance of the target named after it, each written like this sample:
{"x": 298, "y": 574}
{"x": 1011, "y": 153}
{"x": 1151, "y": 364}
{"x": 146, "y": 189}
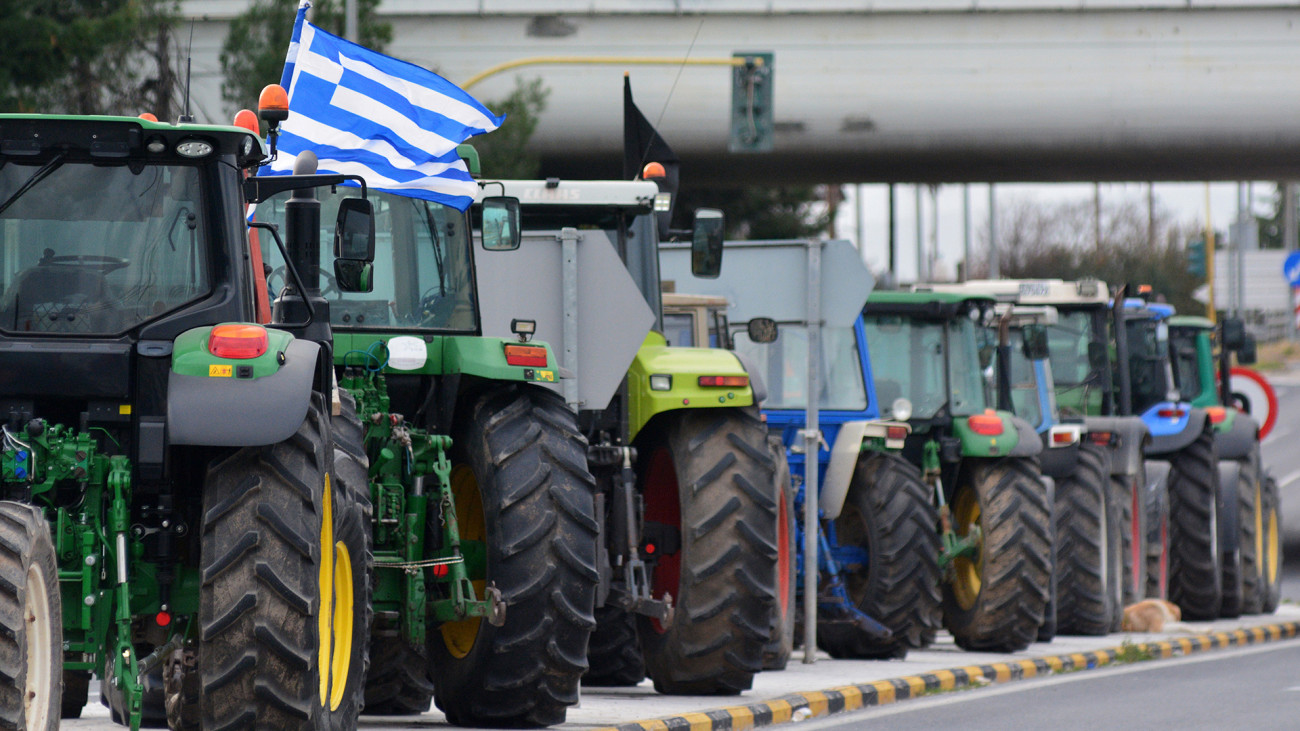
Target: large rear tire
{"x": 1089, "y": 552}
{"x": 1195, "y": 564}
{"x": 1270, "y": 545}
{"x": 31, "y": 622}
{"x": 996, "y": 602}
{"x": 522, "y": 489}
{"x": 277, "y": 607}
{"x": 706, "y": 476}
{"x": 614, "y": 655}
{"x": 777, "y": 651}
{"x": 1250, "y": 519}
{"x": 889, "y": 517}
{"x": 76, "y": 691}
{"x": 1156, "y": 502}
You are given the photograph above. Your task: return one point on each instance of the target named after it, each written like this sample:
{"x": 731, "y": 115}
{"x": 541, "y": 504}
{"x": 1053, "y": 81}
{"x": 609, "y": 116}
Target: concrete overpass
{"x": 883, "y": 90}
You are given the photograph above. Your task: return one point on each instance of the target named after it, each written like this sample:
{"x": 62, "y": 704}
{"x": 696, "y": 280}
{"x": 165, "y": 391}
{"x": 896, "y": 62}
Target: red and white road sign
{"x": 1255, "y": 396}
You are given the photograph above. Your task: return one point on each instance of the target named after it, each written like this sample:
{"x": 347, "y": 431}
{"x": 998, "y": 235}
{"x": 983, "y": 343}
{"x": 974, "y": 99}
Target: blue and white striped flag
{"x": 363, "y": 113}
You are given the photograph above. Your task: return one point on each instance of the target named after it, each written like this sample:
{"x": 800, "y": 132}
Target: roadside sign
{"x": 1254, "y": 394}
{"x": 1291, "y": 268}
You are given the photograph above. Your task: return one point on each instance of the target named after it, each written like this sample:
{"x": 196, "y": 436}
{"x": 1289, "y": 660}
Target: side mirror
{"x": 354, "y": 230}
{"x": 986, "y": 356}
{"x": 762, "y": 330}
{"x": 1098, "y": 356}
{"x": 706, "y": 243}
{"x": 1035, "y": 342}
{"x": 1233, "y": 333}
{"x": 1246, "y": 354}
{"x": 501, "y": 223}
{"x": 353, "y": 275}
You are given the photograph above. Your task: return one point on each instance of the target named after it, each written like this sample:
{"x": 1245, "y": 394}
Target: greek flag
{"x": 363, "y": 113}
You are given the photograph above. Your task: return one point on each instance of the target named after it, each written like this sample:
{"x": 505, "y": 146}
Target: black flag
{"x": 642, "y": 144}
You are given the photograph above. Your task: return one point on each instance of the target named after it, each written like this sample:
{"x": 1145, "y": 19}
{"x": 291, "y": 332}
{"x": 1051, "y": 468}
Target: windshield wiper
{"x": 37, "y": 177}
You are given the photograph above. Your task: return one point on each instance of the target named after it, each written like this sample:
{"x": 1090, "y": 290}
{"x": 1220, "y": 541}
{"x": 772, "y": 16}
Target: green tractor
{"x": 176, "y": 518}
{"x": 485, "y": 531}
{"x": 686, "y": 494}
{"x": 982, "y": 464}
{"x": 1249, "y": 541}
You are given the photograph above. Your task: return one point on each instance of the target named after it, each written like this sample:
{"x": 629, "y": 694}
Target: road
{"x": 1282, "y": 458}
{"x": 1255, "y": 688}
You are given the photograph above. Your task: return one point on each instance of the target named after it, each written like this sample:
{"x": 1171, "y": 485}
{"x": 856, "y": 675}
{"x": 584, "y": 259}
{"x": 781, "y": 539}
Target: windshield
{"x": 908, "y": 360}
{"x": 1024, "y": 382}
{"x": 422, "y": 272}
{"x": 98, "y": 249}
{"x": 1182, "y": 354}
{"x": 784, "y": 366}
{"x": 1148, "y": 343}
{"x": 1067, "y": 343}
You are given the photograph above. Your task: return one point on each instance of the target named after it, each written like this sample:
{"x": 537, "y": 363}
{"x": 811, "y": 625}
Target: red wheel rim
{"x": 783, "y": 557}
{"x": 1138, "y": 560}
{"x": 663, "y": 505}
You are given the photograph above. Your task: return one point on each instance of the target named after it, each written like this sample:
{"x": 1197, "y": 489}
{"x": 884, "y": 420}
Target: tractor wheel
{"x": 31, "y": 622}
{"x": 891, "y": 564}
{"x": 614, "y": 654}
{"x": 183, "y": 690}
{"x": 706, "y": 477}
{"x": 996, "y": 600}
{"x": 1241, "y": 577}
{"x": 1089, "y": 552}
{"x": 1195, "y": 564}
{"x": 280, "y": 587}
{"x": 1156, "y": 503}
{"x": 523, "y": 493}
{"x": 76, "y": 691}
{"x": 780, "y": 645}
{"x": 1126, "y": 491}
{"x": 1269, "y": 542}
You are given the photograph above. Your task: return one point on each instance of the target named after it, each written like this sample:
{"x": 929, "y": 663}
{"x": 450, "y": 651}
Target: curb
{"x": 815, "y": 704}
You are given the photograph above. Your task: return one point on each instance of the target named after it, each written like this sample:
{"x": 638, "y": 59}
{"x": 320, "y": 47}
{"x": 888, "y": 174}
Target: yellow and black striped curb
{"x": 882, "y": 692}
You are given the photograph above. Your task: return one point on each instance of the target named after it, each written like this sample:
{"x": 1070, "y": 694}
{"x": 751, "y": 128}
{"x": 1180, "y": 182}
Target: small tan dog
{"x": 1154, "y": 615}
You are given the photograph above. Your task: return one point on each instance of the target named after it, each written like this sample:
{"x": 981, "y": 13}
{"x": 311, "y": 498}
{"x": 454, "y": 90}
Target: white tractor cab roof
{"x": 619, "y": 193}
{"x": 1028, "y": 291}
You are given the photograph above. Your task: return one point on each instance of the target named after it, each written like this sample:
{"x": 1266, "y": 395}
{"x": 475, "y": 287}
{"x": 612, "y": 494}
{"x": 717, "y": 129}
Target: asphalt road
{"x": 1254, "y": 688}
{"x": 1282, "y": 458}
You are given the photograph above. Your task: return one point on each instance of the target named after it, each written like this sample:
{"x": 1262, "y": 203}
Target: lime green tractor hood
{"x": 664, "y": 378}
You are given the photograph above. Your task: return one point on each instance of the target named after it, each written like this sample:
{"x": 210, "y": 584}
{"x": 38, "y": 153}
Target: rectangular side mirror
{"x": 1233, "y": 333}
{"x": 706, "y": 243}
{"x": 1098, "y": 356}
{"x": 1035, "y": 337}
{"x": 761, "y": 330}
{"x": 501, "y": 223}
{"x": 1246, "y": 355}
{"x": 354, "y": 230}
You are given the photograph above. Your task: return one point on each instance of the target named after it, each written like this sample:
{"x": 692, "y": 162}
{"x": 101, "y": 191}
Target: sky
{"x": 1186, "y": 202}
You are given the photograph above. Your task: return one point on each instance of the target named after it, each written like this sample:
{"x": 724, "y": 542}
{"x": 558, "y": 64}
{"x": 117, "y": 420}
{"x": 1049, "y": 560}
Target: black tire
{"x": 1271, "y": 546}
{"x": 1047, "y": 631}
{"x": 1127, "y": 492}
{"x": 780, "y": 644}
{"x": 1156, "y": 505}
{"x": 31, "y": 622}
{"x": 183, "y": 690}
{"x": 76, "y": 691}
{"x": 996, "y": 603}
{"x": 522, "y": 486}
{"x": 707, "y": 475}
{"x": 1195, "y": 563}
{"x": 614, "y": 655}
{"x": 889, "y": 514}
{"x": 268, "y": 561}
{"x": 1251, "y": 533}
{"x": 1089, "y": 560}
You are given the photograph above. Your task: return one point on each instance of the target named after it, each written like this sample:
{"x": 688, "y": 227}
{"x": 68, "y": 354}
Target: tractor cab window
{"x": 784, "y": 367}
{"x": 98, "y": 249}
{"x": 422, "y": 275}
{"x": 968, "y": 387}
{"x": 1183, "y": 357}
{"x": 679, "y": 329}
{"x": 1067, "y": 343}
{"x": 1025, "y": 399}
{"x": 1149, "y": 369}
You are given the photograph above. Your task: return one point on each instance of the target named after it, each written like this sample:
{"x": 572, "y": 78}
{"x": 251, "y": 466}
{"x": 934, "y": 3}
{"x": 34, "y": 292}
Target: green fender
{"x": 683, "y": 366}
{"x": 1016, "y": 438}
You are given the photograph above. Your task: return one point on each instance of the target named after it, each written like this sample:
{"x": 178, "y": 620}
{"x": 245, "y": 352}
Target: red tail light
{"x": 727, "y": 381}
{"x": 895, "y": 432}
{"x": 526, "y": 355}
{"x": 1062, "y": 437}
{"x": 237, "y": 341}
{"x": 1099, "y": 437}
{"x": 1171, "y": 413}
{"x": 987, "y": 424}
{"x": 1216, "y": 413}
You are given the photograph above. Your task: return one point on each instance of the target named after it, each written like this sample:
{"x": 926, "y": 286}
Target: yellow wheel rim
{"x": 343, "y": 617}
{"x": 459, "y": 636}
{"x": 1274, "y": 548}
{"x": 966, "y": 573}
{"x": 1260, "y": 561}
{"x": 324, "y": 621}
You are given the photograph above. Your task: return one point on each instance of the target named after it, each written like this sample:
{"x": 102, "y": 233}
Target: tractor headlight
{"x": 901, "y": 409}
{"x": 661, "y": 382}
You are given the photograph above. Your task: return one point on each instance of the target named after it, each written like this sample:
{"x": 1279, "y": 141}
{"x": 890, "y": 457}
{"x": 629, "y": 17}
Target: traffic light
{"x": 1196, "y": 257}
{"x": 752, "y": 128}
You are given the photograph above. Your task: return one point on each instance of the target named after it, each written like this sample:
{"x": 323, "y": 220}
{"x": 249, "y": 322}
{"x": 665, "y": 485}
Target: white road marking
{"x": 1289, "y": 478}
